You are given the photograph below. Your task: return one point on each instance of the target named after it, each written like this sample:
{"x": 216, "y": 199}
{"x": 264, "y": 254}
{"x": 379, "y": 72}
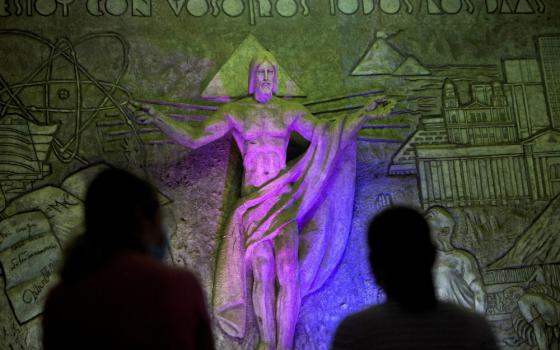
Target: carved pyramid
{"x": 411, "y": 66}
{"x": 381, "y": 58}
{"x": 232, "y": 78}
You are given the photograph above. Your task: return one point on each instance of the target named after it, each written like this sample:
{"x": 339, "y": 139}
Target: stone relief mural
{"x": 282, "y": 223}
{"x": 472, "y": 142}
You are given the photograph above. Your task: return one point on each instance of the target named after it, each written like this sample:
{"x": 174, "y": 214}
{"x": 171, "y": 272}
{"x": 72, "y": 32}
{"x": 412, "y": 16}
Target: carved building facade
{"x": 496, "y": 175}
{"x": 549, "y": 54}
{"x": 487, "y": 120}
{"x": 501, "y": 147}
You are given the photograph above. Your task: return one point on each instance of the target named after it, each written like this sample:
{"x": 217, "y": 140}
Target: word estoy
{"x": 45, "y": 8}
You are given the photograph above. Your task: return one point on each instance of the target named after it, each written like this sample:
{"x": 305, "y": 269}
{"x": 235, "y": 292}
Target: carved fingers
{"x": 378, "y": 102}
{"x": 142, "y": 113}
{"x": 380, "y": 107}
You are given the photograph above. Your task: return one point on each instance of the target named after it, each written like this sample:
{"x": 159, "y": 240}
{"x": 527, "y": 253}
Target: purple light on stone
{"x": 352, "y": 287}
{"x": 263, "y": 81}
{"x": 290, "y": 227}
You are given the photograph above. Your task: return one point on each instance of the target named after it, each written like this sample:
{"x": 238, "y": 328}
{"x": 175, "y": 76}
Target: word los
{"x": 269, "y": 8}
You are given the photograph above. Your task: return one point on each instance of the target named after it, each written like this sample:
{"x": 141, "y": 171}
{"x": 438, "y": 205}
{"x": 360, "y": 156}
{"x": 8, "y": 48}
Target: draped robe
{"x": 317, "y": 193}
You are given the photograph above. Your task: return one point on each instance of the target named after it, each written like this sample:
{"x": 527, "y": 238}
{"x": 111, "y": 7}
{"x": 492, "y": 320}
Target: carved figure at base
{"x": 456, "y": 272}
{"x": 537, "y": 317}
{"x": 540, "y": 306}
{"x": 287, "y": 230}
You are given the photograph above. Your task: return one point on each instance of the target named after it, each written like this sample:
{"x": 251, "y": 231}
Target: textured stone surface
{"x": 174, "y": 52}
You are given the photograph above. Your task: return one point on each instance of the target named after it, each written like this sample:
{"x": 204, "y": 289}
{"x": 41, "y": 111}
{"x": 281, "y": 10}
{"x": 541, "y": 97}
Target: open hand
{"x": 380, "y": 107}
{"x": 142, "y": 113}
{"x": 380, "y": 102}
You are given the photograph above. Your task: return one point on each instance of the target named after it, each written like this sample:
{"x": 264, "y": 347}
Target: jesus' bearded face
{"x": 265, "y": 78}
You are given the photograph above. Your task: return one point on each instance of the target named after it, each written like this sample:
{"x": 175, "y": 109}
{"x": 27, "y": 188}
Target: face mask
{"x": 159, "y": 251}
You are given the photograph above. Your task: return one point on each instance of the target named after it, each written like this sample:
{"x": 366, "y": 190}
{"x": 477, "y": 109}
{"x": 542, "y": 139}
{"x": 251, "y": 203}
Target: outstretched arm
{"x": 303, "y": 122}
{"x": 184, "y": 133}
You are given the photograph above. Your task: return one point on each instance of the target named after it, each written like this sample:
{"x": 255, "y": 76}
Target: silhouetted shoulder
{"x": 169, "y": 279}
{"x": 390, "y": 326}
{"x": 183, "y": 281}
{"x": 460, "y": 314}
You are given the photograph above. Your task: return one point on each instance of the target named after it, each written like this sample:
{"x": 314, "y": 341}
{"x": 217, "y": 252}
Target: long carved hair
{"x": 259, "y": 59}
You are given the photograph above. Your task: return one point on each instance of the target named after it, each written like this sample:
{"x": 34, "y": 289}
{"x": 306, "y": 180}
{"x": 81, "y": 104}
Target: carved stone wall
{"x": 476, "y": 131}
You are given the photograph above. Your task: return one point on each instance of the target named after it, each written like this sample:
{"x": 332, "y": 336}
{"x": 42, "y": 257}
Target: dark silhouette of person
{"x": 401, "y": 257}
{"x": 114, "y": 291}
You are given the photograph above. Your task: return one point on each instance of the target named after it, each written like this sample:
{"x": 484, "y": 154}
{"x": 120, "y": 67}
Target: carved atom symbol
{"x": 64, "y": 71}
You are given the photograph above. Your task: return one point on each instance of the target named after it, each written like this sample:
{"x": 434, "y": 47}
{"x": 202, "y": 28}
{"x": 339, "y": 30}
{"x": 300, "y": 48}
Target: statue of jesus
{"x": 290, "y": 227}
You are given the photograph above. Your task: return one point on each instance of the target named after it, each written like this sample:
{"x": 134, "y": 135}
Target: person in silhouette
{"x": 402, "y": 256}
{"x": 114, "y": 290}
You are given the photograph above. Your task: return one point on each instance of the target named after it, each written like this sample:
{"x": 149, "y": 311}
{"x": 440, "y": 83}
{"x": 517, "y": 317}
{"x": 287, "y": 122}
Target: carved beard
{"x": 263, "y": 97}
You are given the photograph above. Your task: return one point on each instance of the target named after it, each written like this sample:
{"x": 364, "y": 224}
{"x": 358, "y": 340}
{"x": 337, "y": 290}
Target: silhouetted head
{"x": 122, "y": 211}
{"x": 442, "y": 225}
{"x": 263, "y": 77}
{"x": 402, "y": 256}
{"x": 122, "y": 214}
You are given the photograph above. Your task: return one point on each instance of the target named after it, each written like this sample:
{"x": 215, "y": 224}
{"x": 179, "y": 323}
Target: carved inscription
{"x": 63, "y": 210}
{"x": 266, "y": 8}
{"x": 29, "y": 253}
